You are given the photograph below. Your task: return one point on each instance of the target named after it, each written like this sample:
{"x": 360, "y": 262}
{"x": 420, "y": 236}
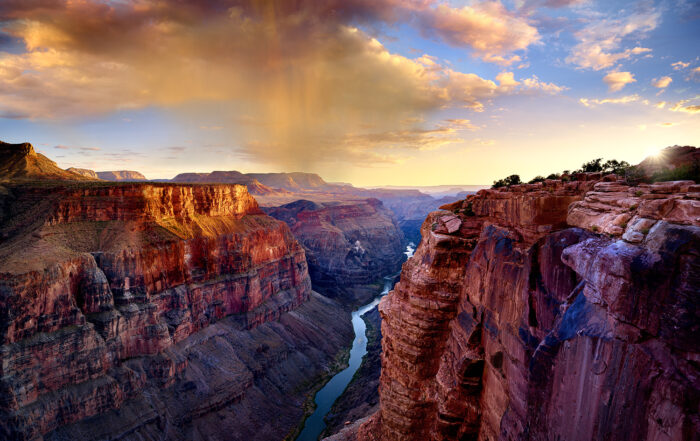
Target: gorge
{"x": 149, "y": 310}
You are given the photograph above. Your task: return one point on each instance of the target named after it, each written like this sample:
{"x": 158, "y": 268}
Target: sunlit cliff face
{"x": 407, "y": 86}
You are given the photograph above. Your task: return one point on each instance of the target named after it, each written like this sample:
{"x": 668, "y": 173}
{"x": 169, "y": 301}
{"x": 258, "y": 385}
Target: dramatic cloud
{"x": 600, "y": 41}
{"x": 662, "y": 82}
{"x": 304, "y": 72}
{"x": 489, "y": 28}
{"x": 617, "y": 80}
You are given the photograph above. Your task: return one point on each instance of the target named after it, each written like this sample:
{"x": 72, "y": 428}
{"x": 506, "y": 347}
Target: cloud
{"x": 534, "y": 83}
{"x": 599, "y": 41}
{"x": 461, "y": 124}
{"x": 694, "y": 74}
{"x": 678, "y": 65}
{"x": 175, "y": 149}
{"x": 617, "y": 80}
{"x": 489, "y": 28}
{"x": 591, "y": 102}
{"x": 83, "y": 149}
{"x": 304, "y": 72}
{"x": 681, "y": 106}
{"x": 662, "y": 82}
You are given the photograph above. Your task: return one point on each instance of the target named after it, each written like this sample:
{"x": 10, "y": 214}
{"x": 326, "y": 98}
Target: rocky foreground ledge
{"x": 557, "y": 310}
{"x": 137, "y": 311}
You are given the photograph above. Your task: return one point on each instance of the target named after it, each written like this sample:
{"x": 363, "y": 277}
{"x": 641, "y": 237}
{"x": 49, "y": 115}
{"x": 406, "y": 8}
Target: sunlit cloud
{"x": 679, "y": 65}
{"x": 662, "y": 82}
{"x": 600, "y": 41}
{"x": 307, "y": 74}
{"x": 617, "y": 80}
{"x": 682, "y": 106}
{"x": 489, "y": 28}
{"x": 591, "y": 102}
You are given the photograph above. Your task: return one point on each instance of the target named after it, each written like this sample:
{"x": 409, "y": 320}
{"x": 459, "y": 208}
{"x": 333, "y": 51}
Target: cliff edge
{"x": 556, "y": 310}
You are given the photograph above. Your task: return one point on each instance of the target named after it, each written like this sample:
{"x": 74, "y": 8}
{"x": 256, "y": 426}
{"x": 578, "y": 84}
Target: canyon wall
{"x": 349, "y": 245}
{"x": 549, "y": 311}
{"x": 133, "y": 310}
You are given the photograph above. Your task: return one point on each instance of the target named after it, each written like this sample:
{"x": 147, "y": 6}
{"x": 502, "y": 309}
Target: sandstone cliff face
{"x": 348, "y": 244}
{"x": 105, "y": 288}
{"x": 552, "y": 311}
{"x": 21, "y": 162}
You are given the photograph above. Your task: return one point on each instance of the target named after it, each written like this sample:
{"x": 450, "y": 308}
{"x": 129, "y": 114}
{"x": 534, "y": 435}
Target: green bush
{"x": 505, "y": 182}
{"x": 687, "y": 172}
{"x": 536, "y": 179}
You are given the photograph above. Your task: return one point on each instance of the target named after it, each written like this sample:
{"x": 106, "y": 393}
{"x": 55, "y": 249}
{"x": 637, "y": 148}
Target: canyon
{"x": 562, "y": 309}
{"x": 349, "y": 245}
{"x": 142, "y": 310}
{"x": 565, "y": 309}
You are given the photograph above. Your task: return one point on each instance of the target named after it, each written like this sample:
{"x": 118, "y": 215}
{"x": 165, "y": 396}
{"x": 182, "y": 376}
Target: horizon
{"x": 405, "y": 94}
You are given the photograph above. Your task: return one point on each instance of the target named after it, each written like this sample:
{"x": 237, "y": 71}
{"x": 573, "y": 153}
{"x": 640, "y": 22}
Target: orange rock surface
{"x": 97, "y": 275}
{"x": 549, "y": 311}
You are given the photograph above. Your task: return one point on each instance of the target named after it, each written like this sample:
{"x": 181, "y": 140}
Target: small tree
{"x": 505, "y": 182}
{"x": 592, "y": 166}
{"x": 615, "y": 166}
{"x": 537, "y": 178}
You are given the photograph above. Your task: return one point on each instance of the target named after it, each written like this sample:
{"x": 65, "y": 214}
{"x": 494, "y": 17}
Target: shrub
{"x": 638, "y": 193}
{"x": 595, "y": 228}
{"x": 687, "y": 172}
{"x": 505, "y": 182}
{"x": 553, "y": 176}
{"x": 536, "y": 179}
{"x": 592, "y": 166}
{"x": 609, "y": 166}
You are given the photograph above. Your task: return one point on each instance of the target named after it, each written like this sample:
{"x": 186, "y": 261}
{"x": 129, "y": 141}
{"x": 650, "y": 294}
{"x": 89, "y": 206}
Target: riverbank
{"x": 361, "y": 396}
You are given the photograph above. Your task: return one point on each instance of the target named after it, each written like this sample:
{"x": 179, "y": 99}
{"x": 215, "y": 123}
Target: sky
{"x": 372, "y": 92}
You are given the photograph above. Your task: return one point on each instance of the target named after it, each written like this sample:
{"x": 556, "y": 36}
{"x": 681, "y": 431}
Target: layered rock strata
{"x": 108, "y": 294}
{"x": 558, "y": 310}
{"x": 349, "y": 245}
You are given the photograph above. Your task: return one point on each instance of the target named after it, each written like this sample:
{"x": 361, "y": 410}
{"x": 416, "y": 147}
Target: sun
{"x": 654, "y": 153}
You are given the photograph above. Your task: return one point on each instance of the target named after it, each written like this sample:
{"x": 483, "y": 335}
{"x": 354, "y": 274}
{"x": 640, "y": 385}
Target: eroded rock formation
{"x": 156, "y": 310}
{"x": 349, "y": 245}
{"x": 551, "y": 311}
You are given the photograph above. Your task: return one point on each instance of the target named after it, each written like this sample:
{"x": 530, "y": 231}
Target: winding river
{"x": 314, "y": 424}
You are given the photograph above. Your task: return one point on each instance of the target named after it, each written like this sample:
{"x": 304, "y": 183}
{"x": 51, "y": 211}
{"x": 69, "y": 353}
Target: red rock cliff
{"x": 552, "y": 311}
{"x": 95, "y": 276}
{"x": 348, "y": 244}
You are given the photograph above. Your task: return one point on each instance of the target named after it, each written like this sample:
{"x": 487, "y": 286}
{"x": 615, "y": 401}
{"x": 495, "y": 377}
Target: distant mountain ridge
{"x": 121, "y": 175}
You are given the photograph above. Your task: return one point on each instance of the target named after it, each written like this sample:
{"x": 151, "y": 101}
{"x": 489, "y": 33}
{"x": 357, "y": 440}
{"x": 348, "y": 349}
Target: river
{"x": 314, "y": 424}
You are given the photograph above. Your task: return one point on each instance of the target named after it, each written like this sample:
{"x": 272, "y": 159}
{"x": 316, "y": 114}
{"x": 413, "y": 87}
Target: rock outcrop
{"x": 149, "y": 308}
{"x": 121, "y": 175}
{"x": 21, "y": 162}
{"x": 550, "y": 311}
{"x": 349, "y": 245}
{"x": 90, "y": 174}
